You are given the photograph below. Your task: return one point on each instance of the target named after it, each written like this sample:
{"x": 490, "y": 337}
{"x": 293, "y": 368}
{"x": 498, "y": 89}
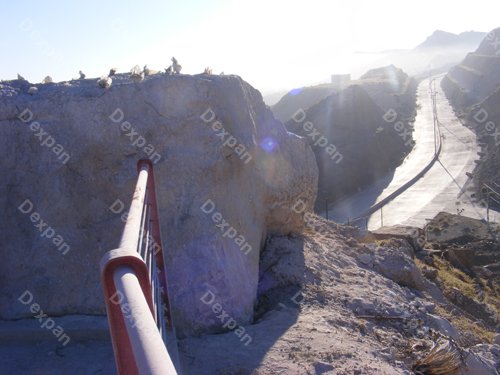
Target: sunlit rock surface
{"x": 72, "y": 157}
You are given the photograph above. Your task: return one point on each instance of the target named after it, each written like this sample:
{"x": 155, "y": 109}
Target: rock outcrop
{"x": 68, "y": 157}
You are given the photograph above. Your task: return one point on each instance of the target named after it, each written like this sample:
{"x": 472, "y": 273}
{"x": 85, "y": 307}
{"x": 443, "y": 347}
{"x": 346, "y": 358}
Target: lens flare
{"x": 268, "y": 144}
{"x": 295, "y": 92}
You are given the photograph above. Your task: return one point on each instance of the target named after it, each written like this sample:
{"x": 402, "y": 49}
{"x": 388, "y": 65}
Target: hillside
{"x": 301, "y": 98}
{"x": 360, "y": 148}
{"x": 391, "y": 88}
{"x": 488, "y": 131}
{"x": 388, "y": 86}
{"x": 364, "y": 144}
{"x": 473, "y": 88}
{"x": 476, "y": 77}
{"x": 334, "y": 302}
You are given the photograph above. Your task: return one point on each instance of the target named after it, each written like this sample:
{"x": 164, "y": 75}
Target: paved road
{"x": 445, "y": 187}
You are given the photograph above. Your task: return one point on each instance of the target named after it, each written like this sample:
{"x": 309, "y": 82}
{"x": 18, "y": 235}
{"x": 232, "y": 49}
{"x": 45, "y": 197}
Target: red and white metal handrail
{"x": 134, "y": 282}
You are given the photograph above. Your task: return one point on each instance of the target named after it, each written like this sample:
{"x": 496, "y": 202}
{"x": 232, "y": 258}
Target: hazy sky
{"x": 271, "y": 44}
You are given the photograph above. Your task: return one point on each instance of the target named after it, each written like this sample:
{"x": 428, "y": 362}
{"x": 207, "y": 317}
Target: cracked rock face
{"x": 222, "y": 163}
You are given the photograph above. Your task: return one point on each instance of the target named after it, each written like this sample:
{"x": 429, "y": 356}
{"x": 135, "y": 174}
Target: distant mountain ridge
{"x": 439, "y": 52}
{"x": 440, "y": 39}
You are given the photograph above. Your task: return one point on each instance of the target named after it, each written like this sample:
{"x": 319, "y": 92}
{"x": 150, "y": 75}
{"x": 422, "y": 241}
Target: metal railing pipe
{"x": 132, "y": 230}
{"x": 135, "y": 288}
{"x": 149, "y": 350}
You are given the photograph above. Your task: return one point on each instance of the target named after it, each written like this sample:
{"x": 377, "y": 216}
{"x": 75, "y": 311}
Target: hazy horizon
{"x": 274, "y": 46}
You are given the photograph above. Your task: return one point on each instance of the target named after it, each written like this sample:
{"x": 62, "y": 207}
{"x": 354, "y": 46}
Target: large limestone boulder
{"x": 227, "y": 174}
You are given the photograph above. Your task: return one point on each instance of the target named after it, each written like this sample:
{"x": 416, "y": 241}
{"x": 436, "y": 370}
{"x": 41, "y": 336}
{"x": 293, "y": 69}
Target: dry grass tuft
{"x": 445, "y": 359}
